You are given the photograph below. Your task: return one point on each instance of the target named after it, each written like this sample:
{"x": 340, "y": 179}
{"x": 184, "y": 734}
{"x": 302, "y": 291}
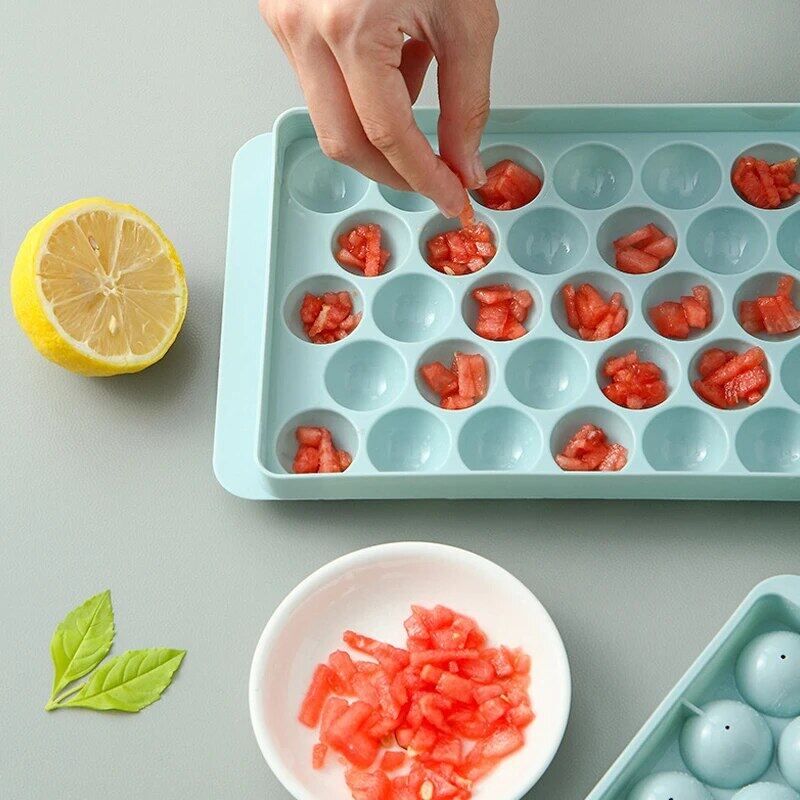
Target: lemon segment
{"x": 98, "y": 288}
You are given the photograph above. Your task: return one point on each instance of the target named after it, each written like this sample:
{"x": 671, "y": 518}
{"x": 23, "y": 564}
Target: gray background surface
{"x": 108, "y": 483}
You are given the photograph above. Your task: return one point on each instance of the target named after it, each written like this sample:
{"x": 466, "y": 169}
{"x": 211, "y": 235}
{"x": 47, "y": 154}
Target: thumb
{"x": 464, "y": 54}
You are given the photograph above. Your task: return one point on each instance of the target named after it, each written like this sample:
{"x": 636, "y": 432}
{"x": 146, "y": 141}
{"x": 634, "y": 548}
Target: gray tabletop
{"x": 108, "y": 483}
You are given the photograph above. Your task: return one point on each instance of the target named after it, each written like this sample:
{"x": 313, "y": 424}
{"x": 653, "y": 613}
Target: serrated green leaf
{"x": 129, "y": 682}
{"x": 81, "y": 640}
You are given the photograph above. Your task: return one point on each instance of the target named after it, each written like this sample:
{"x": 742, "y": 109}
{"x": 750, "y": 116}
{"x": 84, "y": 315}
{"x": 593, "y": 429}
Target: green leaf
{"x": 81, "y": 641}
{"x": 129, "y": 682}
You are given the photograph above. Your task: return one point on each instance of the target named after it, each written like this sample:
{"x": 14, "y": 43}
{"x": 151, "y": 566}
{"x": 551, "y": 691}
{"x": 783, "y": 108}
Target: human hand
{"x": 360, "y": 75}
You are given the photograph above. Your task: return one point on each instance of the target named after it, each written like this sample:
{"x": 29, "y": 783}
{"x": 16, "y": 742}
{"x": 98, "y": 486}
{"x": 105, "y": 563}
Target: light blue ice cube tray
{"x": 731, "y": 726}
{"x": 606, "y": 171}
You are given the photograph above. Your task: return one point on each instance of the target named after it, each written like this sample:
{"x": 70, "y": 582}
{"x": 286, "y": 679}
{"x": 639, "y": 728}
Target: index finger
{"x": 380, "y": 97}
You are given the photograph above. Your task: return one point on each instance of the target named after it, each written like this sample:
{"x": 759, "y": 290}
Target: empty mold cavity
{"x": 727, "y": 745}
{"x": 395, "y": 237}
{"x": 669, "y": 786}
{"x": 681, "y": 176}
{"x": 547, "y": 373}
{"x": 548, "y": 241}
{"x": 605, "y": 283}
{"x": 765, "y": 283}
{"x": 789, "y": 754}
{"x": 617, "y": 431}
{"x": 412, "y": 308}
{"x": 325, "y": 186}
{"x": 769, "y": 441}
{"x": 343, "y": 433}
{"x": 685, "y": 440}
{"x": 727, "y": 240}
{"x": 406, "y": 201}
{"x": 365, "y": 375}
{"x": 790, "y": 374}
{"x": 593, "y": 176}
{"x": 768, "y": 674}
{"x": 440, "y": 224}
{"x": 771, "y": 152}
{"x": 502, "y": 152}
{"x": 469, "y": 306}
{"x": 444, "y": 352}
{"x": 789, "y": 240}
{"x": 500, "y": 439}
{"x": 408, "y": 440}
{"x": 736, "y": 345}
{"x": 317, "y": 285}
{"x": 628, "y": 220}
{"x": 766, "y": 791}
{"x": 672, "y": 286}
{"x": 647, "y": 351}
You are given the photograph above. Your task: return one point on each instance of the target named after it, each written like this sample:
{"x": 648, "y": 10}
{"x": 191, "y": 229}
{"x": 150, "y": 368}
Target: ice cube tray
{"x": 606, "y": 170}
{"x": 731, "y": 726}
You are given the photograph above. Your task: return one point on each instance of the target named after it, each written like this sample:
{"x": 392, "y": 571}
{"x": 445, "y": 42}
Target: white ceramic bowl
{"x": 370, "y": 591}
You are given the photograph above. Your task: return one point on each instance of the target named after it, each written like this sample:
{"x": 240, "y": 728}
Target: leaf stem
{"x": 55, "y": 702}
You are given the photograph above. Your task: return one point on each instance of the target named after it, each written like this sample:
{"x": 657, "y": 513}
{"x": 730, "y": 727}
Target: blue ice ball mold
{"x": 768, "y": 674}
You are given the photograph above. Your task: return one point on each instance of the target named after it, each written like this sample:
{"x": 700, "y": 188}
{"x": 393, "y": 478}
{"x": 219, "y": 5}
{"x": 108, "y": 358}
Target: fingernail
{"x": 448, "y": 214}
{"x": 478, "y": 171}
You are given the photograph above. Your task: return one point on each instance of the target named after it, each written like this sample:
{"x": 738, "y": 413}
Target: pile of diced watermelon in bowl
{"x": 359, "y": 691}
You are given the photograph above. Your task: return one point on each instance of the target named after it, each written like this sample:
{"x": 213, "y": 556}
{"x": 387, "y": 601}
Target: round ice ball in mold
{"x": 669, "y": 786}
{"x": 790, "y": 374}
{"x": 766, "y": 791}
{"x": 412, "y": 308}
{"x": 727, "y": 240}
{"x": 365, "y": 375}
{"x": 408, "y": 440}
{"x": 727, "y": 745}
{"x": 593, "y": 176}
{"x": 769, "y": 441}
{"x": 627, "y": 220}
{"x": 343, "y": 433}
{"x": 605, "y": 283}
{"x": 469, "y": 306}
{"x": 395, "y": 237}
{"x": 547, "y": 373}
{"x": 500, "y": 439}
{"x": 406, "y": 201}
{"x": 681, "y": 176}
{"x": 685, "y": 440}
{"x": 768, "y": 673}
{"x": 548, "y": 241}
{"x": 671, "y": 286}
{"x": 500, "y": 152}
{"x": 789, "y": 240}
{"x": 789, "y": 754}
{"x": 325, "y": 186}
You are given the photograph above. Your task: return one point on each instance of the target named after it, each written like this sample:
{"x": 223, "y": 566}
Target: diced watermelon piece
{"x": 634, "y": 384}
{"x": 490, "y": 295}
{"x": 735, "y": 366}
{"x": 694, "y": 312}
{"x": 702, "y": 294}
{"x": 669, "y": 319}
{"x": 508, "y": 186}
{"x": 765, "y": 185}
{"x": 710, "y": 361}
{"x": 492, "y": 319}
{"x": 789, "y": 311}
{"x": 458, "y": 252}
{"x": 785, "y": 285}
{"x": 750, "y": 316}
{"x": 318, "y": 755}
{"x": 369, "y": 785}
{"x": 441, "y": 380}
{"x": 306, "y": 460}
{"x": 636, "y": 262}
{"x": 590, "y": 306}
{"x": 639, "y": 238}
{"x": 455, "y": 402}
{"x": 662, "y": 248}
{"x": 392, "y": 760}
{"x": 316, "y": 695}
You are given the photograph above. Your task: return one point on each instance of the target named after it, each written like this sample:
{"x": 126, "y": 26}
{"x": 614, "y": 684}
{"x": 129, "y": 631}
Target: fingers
{"x": 414, "y": 63}
{"x": 381, "y": 100}
{"x": 463, "y": 49}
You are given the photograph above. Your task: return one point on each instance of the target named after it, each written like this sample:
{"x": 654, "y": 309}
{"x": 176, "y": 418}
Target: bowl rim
{"x": 371, "y": 554}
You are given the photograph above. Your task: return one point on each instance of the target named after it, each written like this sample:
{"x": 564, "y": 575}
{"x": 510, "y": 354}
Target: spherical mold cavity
{"x": 548, "y": 241}
{"x": 395, "y": 237}
{"x": 727, "y": 240}
{"x": 408, "y": 440}
{"x": 628, "y": 220}
{"x": 439, "y": 224}
{"x": 317, "y": 285}
{"x": 788, "y": 240}
{"x": 681, "y": 176}
{"x": 772, "y": 153}
{"x": 685, "y": 440}
{"x": 364, "y": 376}
{"x": 547, "y": 373}
{"x": 406, "y": 201}
{"x": 325, "y": 186}
{"x": 769, "y": 441}
{"x": 444, "y": 352}
{"x": 593, "y": 176}
{"x": 469, "y": 305}
{"x": 413, "y": 308}
{"x": 605, "y": 283}
{"x": 671, "y": 286}
{"x": 647, "y": 351}
{"x": 790, "y": 374}
{"x": 500, "y": 439}
{"x": 343, "y": 433}
{"x": 761, "y": 285}
{"x": 501, "y": 152}
{"x": 617, "y": 431}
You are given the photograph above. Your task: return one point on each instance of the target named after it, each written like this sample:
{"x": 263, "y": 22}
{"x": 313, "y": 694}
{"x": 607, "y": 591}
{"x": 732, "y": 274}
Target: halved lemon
{"x": 98, "y": 288}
